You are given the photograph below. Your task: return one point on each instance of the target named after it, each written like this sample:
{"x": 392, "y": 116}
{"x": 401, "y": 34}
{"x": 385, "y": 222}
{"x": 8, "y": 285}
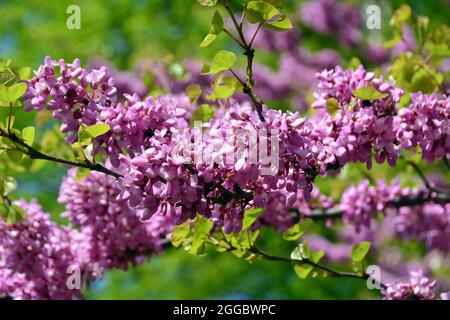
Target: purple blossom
{"x": 35, "y": 256}
{"x": 111, "y": 235}
{"x": 417, "y": 287}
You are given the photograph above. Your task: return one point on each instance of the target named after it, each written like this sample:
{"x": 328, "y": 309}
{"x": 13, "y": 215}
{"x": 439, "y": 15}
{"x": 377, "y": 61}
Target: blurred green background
{"x": 123, "y": 32}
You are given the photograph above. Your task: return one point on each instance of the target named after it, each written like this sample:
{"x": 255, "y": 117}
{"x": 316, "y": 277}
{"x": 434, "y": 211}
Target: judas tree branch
{"x": 249, "y": 52}
{"x": 336, "y": 212}
{"x": 330, "y": 272}
{"x": 36, "y": 154}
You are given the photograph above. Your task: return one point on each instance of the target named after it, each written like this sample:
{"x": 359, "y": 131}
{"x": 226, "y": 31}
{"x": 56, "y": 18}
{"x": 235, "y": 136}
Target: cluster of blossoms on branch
{"x": 35, "y": 256}
{"x": 168, "y": 175}
{"x": 147, "y": 137}
{"x": 39, "y": 256}
{"x": 427, "y": 220}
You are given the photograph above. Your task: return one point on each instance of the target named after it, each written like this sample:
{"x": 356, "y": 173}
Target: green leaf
{"x": 303, "y": 270}
{"x": 360, "y": 250}
{"x": 296, "y": 231}
{"x": 24, "y": 73}
{"x": 224, "y": 88}
{"x": 401, "y": 15}
{"x": 97, "y": 129}
{"x": 216, "y": 24}
{"x": 203, "y": 113}
{"x": 282, "y": 23}
{"x": 8, "y": 185}
{"x": 301, "y": 252}
{"x": 208, "y": 40}
{"x": 179, "y": 234}
{"x": 84, "y": 139}
{"x": 304, "y": 249}
{"x": 368, "y": 93}
{"x": 260, "y": 11}
{"x": 15, "y": 214}
{"x": 193, "y": 91}
{"x": 223, "y": 60}
{"x": 317, "y": 255}
{"x": 82, "y": 173}
{"x": 197, "y": 246}
{"x": 203, "y": 226}
{"x": 4, "y": 96}
{"x": 332, "y": 106}
{"x": 15, "y": 155}
{"x": 207, "y": 3}
{"x": 250, "y": 217}
{"x": 295, "y": 254}
{"x": 216, "y": 29}
{"x": 28, "y": 135}
{"x": 16, "y": 91}
{"x": 424, "y": 81}
{"x": 275, "y": 3}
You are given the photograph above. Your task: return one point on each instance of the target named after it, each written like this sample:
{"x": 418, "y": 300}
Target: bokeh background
{"x": 126, "y": 32}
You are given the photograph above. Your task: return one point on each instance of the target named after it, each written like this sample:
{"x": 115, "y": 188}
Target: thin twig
{"x": 234, "y": 38}
{"x": 249, "y": 52}
{"x": 422, "y": 176}
{"x": 36, "y": 154}
{"x": 333, "y": 273}
{"x": 256, "y": 32}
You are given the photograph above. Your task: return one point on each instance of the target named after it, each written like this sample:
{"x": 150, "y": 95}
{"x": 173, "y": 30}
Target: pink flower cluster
{"x": 418, "y": 287}
{"x": 134, "y": 122}
{"x": 428, "y": 221}
{"x": 218, "y": 187}
{"x": 332, "y": 16}
{"x": 426, "y": 123}
{"x": 77, "y": 96}
{"x": 112, "y": 235}
{"x": 360, "y": 203}
{"x": 359, "y": 128}
{"x": 35, "y": 256}
{"x": 38, "y": 256}
{"x": 73, "y": 94}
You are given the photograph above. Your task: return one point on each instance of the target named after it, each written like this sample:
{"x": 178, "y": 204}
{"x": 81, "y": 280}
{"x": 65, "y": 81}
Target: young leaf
{"x": 260, "y": 11}
{"x": 15, "y": 214}
{"x": 4, "y": 96}
{"x": 401, "y": 15}
{"x": 203, "y": 113}
{"x": 197, "y": 246}
{"x": 16, "y": 91}
{"x": 207, "y": 3}
{"x": 28, "y": 135}
{"x": 208, "y": 40}
{"x": 368, "y": 93}
{"x": 332, "y": 106}
{"x": 193, "y": 91}
{"x": 24, "y": 73}
{"x": 216, "y": 28}
{"x": 280, "y": 24}
{"x": 203, "y": 226}
{"x": 360, "y": 250}
{"x": 303, "y": 270}
{"x": 97, "y": 129}
{"x": 250, "y": 217}
{"x": 216, "y": 24}
{"x": 296, "y": 231}
{"x": 223, "y": 60}
{"x": 179, "y": 234}
{"x": 15, "y": 155}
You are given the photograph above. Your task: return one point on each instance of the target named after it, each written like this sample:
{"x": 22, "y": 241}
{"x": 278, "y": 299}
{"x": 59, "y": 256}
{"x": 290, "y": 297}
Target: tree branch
{"x": 329, "y": 271}
{"x": 249, "y": 52}
{"x": 36, "y": 154}
{"x": 336, "y": 212}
